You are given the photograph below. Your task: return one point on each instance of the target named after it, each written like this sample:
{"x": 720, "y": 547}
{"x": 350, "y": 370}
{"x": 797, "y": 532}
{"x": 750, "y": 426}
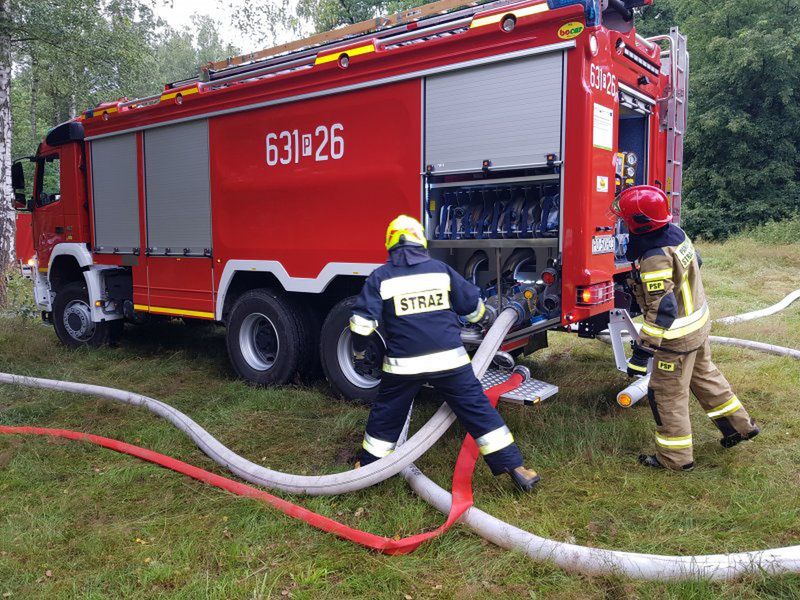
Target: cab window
{"x": 49, "y": 180}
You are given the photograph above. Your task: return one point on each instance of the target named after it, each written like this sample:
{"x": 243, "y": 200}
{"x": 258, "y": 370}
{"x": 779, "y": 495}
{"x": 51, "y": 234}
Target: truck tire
{"x": 336, "y": 355}
{"x": 73, "y": 323}
{"x": 265, "y": 338}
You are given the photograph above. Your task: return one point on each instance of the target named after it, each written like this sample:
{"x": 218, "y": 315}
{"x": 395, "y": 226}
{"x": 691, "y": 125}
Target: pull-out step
{"x": 530, "y": 392}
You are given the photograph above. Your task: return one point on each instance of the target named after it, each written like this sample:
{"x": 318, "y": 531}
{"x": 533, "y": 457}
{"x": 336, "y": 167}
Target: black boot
{"x": 651, "y": 460}
{"x": 524, "y": 479}
{"x": 729, "y": 441}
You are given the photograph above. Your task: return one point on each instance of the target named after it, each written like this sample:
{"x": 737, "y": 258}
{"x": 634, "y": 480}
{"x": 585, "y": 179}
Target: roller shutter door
{"x": 177, "y": 184}
{"x": 115, "y": 195}
{"x": 508, "y": 112}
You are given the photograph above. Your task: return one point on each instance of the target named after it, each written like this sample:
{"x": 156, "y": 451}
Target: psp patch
{"x": 666, "y": 366}
{"x": 421, "y": 302}
{"x": 655, "y": 286}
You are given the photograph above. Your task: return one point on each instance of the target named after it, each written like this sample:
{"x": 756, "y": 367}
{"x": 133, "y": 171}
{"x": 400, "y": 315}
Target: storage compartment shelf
{"x": 496, "y": 243}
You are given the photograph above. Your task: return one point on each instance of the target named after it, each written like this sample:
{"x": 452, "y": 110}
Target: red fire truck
{"x": 257, "y": 194}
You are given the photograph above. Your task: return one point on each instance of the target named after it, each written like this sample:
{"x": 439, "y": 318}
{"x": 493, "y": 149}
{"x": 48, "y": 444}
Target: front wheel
{"x": 72, "y": 320}
{"x": 336, "y": 353}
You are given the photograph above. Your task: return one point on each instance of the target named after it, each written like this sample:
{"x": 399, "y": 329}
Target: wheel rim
{"x": 259, "y": 343}
{"x": 78, "y": 320}
{"x": 344, "y": 354}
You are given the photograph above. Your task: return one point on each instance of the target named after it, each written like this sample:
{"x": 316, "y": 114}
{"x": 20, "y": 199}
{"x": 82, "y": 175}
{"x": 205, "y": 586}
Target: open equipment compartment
{"x": 633, "y": 157}
{"x": 492, "y": 200}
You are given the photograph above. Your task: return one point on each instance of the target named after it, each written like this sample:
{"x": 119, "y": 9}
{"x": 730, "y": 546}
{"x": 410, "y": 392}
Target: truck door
{"x": 178, "y": 219}
{"x": 48, "y": 219}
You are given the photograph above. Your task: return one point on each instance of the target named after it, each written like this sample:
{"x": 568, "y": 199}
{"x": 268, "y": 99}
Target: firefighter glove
{"x": 637, "y": 365}
{"x": 489, "y": 317}
{"x": 360, "y": 363}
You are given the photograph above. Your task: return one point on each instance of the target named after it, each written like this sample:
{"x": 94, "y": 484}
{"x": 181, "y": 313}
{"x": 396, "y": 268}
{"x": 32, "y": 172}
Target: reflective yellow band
{"x": 681, "y": 327}
{"x": 350, "y": 52}
{"x": 176, "y": 312}
{"x": 688, "y": 303}
{"x": 478, "y": 313}
{"x": 524, "y": 12}
{"x": 730, "y": 407}
{"x": 410, "y": 284}
{"x": 376, "y": 447}
{"x": 361, "y": 326}
{"x": 674, "y": 443}
{"x": 655, "y": 275}
{"x": 427, "y": 363}
{"x": 495, "y": 440}
{"x": 633, "y": 367}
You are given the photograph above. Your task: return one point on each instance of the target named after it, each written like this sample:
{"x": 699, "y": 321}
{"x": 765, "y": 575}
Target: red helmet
{"x": 644, "y": 208}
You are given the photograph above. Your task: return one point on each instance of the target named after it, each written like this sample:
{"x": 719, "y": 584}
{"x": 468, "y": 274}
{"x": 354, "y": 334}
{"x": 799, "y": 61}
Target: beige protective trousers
{"x": 674, "y": 376}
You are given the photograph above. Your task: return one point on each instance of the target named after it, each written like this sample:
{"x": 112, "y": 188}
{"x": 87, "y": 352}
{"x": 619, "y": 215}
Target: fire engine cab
{"x": 257, "y": 194}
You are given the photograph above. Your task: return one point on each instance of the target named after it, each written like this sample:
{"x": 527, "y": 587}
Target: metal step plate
{"x": 530, "y": 392}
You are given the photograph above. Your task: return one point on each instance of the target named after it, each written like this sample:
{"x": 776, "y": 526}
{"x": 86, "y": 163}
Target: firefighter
{"x": 417, "y": 300}
{"x": 667, "y": 285}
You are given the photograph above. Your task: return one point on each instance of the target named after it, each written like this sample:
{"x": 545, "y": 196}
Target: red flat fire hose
{"x": 462, "y": 482}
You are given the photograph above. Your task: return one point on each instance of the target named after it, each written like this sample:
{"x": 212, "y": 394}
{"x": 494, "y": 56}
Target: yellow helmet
{"x": 405, "y": 229}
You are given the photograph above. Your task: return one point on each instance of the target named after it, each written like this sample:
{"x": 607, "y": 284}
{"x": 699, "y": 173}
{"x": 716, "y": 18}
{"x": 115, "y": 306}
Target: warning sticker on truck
{"x": 603, "y": 127}
{"x": 603, "y": 244}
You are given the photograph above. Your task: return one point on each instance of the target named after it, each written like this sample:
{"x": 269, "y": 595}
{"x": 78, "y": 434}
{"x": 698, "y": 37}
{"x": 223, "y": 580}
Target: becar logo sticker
{"x": 571, "y": 30}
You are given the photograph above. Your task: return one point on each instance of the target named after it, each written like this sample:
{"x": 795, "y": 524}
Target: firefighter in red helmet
{"x": 667, "y": 285}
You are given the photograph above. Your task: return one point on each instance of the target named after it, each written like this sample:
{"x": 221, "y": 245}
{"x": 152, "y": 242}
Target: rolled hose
{"x": 598, "y": 561}
{"x": 315, "y": 485}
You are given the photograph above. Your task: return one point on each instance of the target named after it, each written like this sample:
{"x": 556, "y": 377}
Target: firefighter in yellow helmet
{"x": 669, "y": 290}
{"x": 418, "y": 300}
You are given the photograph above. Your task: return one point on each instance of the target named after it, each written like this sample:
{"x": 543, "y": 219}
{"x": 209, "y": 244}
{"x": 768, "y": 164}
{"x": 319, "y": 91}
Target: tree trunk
{"x": 7, "y": 220}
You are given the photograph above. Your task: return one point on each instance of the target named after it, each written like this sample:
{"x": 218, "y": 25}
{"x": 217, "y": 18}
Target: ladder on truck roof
{"x": 674, "y": 112}
{"x": 443, "y": 13}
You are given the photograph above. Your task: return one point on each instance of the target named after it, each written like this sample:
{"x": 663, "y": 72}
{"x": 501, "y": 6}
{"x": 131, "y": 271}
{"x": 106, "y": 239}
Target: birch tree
{"x": 7, "y": 222}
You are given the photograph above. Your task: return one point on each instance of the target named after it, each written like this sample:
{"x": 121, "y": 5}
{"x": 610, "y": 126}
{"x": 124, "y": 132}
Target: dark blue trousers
{"x": 463, "y": 393}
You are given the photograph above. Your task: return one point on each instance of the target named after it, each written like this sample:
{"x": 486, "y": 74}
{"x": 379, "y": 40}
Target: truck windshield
{"x": 49, "y": 180}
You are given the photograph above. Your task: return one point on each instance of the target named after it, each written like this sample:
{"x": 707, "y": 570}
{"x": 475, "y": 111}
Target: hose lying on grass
{"x": 597, "y": 561}
{"x": 314, "y": 485}
{"x": 462, "y": 482}
{"x": 571, "y": 557}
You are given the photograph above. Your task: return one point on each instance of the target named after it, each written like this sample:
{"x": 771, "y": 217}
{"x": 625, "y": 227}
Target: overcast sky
{"x": 178, "y": 14}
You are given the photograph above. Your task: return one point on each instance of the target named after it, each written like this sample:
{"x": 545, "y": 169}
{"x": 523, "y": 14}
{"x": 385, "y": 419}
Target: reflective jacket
{"x": 418, "y": 306}
{"x": 667, "y": 285}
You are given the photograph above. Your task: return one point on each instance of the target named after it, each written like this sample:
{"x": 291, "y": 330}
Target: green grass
{"x": 83, "y": 522}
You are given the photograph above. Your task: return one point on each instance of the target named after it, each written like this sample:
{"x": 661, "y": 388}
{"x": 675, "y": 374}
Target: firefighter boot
{"x": 729, "y": 441}
{"x": 524, "y": 479}
{"x": 651, "y": 460}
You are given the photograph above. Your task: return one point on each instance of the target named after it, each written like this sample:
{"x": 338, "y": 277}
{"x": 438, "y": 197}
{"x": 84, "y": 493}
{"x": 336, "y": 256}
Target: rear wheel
{"x": 72, "y": 320}
{"x": 336, "y": 352}
{"x": 264, "y": 338}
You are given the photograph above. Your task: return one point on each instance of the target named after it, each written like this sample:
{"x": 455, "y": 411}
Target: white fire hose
{"x": 315, "y": 485}
{"x": 568, "y": 556}
{"x": 638, "y": 389}
{"x": 598, "y": 561}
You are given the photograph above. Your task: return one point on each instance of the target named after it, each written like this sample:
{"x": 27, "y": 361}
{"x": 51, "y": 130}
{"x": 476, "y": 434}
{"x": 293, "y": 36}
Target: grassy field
{"x": 84, "y": 522}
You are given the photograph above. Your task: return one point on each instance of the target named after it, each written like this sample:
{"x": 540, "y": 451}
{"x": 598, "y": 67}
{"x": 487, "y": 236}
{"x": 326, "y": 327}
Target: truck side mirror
{"x": 21, "y": 202}
{"x": 17, "y": 176}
